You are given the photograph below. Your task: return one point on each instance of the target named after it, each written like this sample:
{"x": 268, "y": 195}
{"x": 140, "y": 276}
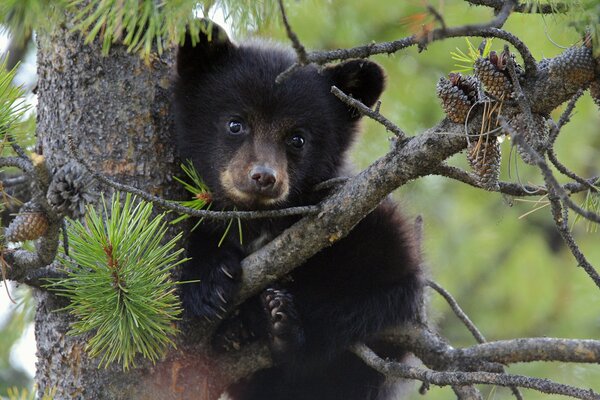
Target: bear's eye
{"x": 235, "y": 126}
{"x": 296, "y": 141}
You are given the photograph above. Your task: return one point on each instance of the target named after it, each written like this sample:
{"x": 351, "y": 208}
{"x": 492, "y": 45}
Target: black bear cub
{"x": 259, "y": 145}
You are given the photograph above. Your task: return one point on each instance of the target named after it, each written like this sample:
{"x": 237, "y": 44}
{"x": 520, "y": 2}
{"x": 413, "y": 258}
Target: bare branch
{"x": 510, "y": 188}
{"x": 396, "y": 369}
{"x": 458, "y": 311}
{"x": 364, "y": 110}
{"x": 561, "y": 218}
{"x": 535, "y": 349}
{"x": 174, "y": 206}
{"x": 525, "y": 8}
{"x": 298, "y": 47}
{"x": 565, "y": 116}
{"x": 24, "y": 164}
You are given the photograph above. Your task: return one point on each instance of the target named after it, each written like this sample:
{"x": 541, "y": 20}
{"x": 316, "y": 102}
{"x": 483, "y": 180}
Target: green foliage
{"x": 138, "y": 24}
{"x": 146, "y": 26}
{"x": 23, "y": 16}
{"x": 23, "y": 394}
{"x": 16, "y": 322}
{"x": 12, "y": 102}
{"x": 201, "y": 199}
{"x": 465, "y": 61}
{"x": 119, "y": 283}
{"x": 591, "y": 203}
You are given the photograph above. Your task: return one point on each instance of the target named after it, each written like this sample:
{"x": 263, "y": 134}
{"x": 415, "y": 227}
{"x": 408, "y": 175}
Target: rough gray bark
{"x": 117, "y": 110}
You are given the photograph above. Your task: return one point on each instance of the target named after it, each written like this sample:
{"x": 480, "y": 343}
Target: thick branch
{"x": 357, "y": 197}
{"x": 535, "y": 349}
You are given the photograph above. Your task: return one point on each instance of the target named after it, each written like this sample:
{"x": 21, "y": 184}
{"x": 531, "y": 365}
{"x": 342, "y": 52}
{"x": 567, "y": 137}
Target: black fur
{"x": 365, "y": 283}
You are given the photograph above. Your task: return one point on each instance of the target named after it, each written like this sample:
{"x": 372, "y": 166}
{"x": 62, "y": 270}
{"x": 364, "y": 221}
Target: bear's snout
{"x": 263, "y": 177}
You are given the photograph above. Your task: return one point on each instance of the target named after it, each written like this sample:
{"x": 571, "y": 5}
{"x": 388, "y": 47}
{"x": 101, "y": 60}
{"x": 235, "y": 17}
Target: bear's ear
{"x": 364, "y": 80}
{"x": 206, "y": 44}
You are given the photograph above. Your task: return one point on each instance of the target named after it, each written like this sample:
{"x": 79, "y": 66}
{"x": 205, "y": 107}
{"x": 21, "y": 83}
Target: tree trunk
{"x": 117, "y": 110}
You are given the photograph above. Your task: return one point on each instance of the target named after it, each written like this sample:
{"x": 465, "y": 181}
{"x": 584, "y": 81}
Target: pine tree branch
{"x": 400, "y": 370}
{"x": 374, "y": 115}
{"x": 467, "y": 322}
{"x": 24, "y": 164}
{"x": 458, "y": 311}
{"x": 535, "y": 349}
{"x": 524, "y": 8}
{"x": 343, "y": 209}
{"x": 174, "y": 206}
{"x": 556, "y": 193}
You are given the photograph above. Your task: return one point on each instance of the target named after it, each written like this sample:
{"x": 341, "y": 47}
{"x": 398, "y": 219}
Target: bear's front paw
{"x": 285, "y": 331}
{"x": 212, "y": 297}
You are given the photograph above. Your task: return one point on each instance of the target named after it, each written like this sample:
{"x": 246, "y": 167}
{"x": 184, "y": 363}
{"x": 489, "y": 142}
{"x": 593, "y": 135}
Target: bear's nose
{"x": 263, "y": 177}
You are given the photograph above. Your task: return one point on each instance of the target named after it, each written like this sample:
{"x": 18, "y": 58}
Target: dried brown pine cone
{"x": 576, "y": 65}
{"x": 484, "y": 156}
{"x": 71, "y": 190}
{"x": 30, "y": 224}
{"x": 537, "y": 139}
{"x": 492, "y": 72}
{"x": 457, "y": 93}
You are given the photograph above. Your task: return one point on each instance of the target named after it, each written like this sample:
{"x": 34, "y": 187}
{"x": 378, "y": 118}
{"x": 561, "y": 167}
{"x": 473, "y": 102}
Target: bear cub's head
{"x": 256, "y": 143}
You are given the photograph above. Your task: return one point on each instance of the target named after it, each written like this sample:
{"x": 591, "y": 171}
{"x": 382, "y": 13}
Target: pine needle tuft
{"x": 119, "y": 283}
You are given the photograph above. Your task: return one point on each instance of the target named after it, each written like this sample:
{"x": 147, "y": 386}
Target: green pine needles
{"x": 201, "y": 199}
{"x": 12, "y": 98}
{"x": 465, "y": 61}
{"x": 147, "y": 26}
{"x": 119, "y": 283}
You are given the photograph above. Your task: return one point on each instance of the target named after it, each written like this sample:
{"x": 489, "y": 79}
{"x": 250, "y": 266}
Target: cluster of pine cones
{"x": 459, "y": 94}
{"x": 68, "y": 193}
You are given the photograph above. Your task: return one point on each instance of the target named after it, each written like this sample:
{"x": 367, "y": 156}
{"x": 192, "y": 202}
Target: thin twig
{"x": 18, "y": 162}
{"x": 322, "y": 57}
{"x": 15, "y": 146}
{"x": 561, "y": 220}
{"x": 565, "y": 116}
{"x": 14, "y": 181}
{"x": 566, "y": 171}
{"x": 330, "y": 183}
{"x": 524, "y": 8}
{"x": 555, "y": 193}
{"x": 390, "y": 126}
{"x": 458, "y": 311}
{"x": 467, "y": 322}
{"x": 298, "y": 47}
{"x": 174, "y": 206}
{"x": 510, "y": 188}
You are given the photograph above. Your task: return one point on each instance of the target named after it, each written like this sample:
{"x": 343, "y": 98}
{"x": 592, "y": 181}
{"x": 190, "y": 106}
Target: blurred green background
{"x": 505, "y": 264}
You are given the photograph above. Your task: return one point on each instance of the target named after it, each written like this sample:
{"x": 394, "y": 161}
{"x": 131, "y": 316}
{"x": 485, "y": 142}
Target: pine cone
{"x": 595, "y": 92}
{"x": 29, "y": 224}
{"x": 538, "y": 139}
{"x": 492, "y": 73}
{"x": 484, "y": 156}
{"x": 575, "y": 65}
{"x": 71, "y": 190}
{"x": 458, "y": 94}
